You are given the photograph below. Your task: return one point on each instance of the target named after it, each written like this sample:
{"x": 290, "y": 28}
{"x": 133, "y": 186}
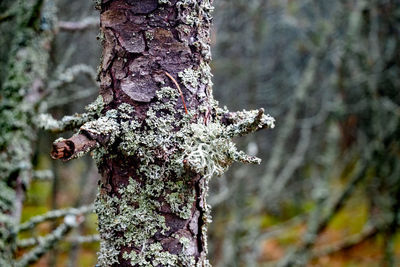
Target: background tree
{"x": 28, "y": 30}
{"x": 325, "y": 153}
{"x": 24, "y": 50}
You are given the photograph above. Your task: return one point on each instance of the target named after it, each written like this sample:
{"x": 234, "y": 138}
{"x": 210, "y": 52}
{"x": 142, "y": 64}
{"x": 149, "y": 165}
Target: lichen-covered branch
{"x": 43, "y": 175}
{"x": 245, "y": 122}
{"x": 49, "y": 241}
{"x": 65, "y": 100}
{"x": 67, "y": 123}
{"x": 70, "y": 74}
{"x": 33, "y": 241}
{"x": 84, "y": 239}
{"x": 54, "y": 214}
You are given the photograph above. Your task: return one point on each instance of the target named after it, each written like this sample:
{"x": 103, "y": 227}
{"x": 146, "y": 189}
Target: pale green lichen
{"x": 154, "y": 256}
{"x": 181, "y": 199}
{"x": 209, "y": 151}
{"x": 108, "y": 254}
{"x": 185, "y": 242}
{"x": 47, "y": 122}
{"x": 104, "y": 126}
{"x": 165, "y": 147}
{"x": 96, "y": 107}
{"x": 189, "y": 78}
{"x": 193, "y": 12}
{"x": 205, "y": 74}
{"x": 135, "y": 215}
{"x": 197, "y": 15}
{"x": 126, "y": 110}
{"x": 93, "y": 111}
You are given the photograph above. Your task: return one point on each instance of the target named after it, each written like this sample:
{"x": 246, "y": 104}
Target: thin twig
{"x": 33, "y": 241}
{"x": 45, "y": 244}
{"x": 179, "y": 89}
{"x": 84, "y": 239}
{"x": 54, "y": 214}
{"x": 91, "y": 22}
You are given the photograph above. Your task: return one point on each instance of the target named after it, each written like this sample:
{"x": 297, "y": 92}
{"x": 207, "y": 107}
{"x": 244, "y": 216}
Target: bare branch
{"x": 85, "y": 24}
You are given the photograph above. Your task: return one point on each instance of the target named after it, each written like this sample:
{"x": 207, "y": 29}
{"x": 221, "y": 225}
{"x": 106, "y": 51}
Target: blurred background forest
{"x": 328, "y": 190}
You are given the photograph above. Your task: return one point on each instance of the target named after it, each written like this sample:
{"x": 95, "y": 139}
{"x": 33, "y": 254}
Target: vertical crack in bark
{"x": 201, "y": 221}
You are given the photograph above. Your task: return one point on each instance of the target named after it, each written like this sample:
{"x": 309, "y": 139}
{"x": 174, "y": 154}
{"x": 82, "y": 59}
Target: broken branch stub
{"x": 73, "y": 147}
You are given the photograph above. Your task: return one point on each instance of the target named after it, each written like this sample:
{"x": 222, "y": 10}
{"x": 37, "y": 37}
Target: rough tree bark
{"x": 156, "y": 146}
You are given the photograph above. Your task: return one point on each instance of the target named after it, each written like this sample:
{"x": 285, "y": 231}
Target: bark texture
{"x": 158, "y": 136}
{"x": 142, "y": 41}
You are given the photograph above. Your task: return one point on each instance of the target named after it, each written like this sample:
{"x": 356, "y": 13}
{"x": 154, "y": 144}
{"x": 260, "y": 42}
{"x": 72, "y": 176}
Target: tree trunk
{"x": 148, "y": 215}
{"x": 156, "y": 147}
{"x": 25, "y": 50}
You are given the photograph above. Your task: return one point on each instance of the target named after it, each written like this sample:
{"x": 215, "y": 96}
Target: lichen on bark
{"x": 22, "y": 82}
{"x": 155, "y": 158}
